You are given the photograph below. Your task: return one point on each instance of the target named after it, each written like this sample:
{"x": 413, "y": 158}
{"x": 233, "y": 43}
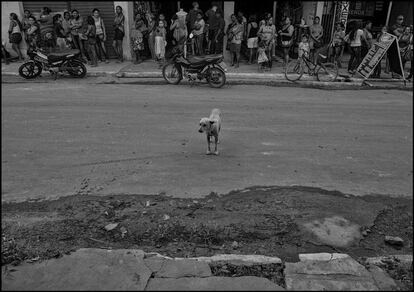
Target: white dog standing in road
{"x": 211, "y": 126}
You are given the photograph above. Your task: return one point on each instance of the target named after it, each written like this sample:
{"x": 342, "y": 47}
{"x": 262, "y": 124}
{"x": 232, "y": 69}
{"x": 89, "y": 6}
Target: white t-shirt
{"x": 201, "y": 23}
{"x": 357, "y": 41}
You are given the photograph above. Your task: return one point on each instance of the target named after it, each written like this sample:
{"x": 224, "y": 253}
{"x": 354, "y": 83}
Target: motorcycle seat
{"x": 62, "y": 55}
{"x": 207, "y": 58}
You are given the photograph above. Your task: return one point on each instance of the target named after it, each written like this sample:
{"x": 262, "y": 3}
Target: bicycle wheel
{"x": 294, "y": 70}
{"x": 327, "y": 72}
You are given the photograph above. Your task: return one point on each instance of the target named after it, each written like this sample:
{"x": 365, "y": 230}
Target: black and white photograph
{"x": 207, "y": 145}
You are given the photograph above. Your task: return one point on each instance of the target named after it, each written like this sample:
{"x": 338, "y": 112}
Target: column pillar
{"x": 128, "y": 10}
{"x": 319, "y": 9}
{"x": 228, "y": 10}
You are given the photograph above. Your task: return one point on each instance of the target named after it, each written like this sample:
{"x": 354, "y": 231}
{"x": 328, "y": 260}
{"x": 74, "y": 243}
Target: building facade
{"x": 379, "y": 12}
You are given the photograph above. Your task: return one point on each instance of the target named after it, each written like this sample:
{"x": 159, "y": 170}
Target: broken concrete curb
{"x": 123, "y": 269}
{"x": 85, "y": 269}
{"x": 245, "y": 283}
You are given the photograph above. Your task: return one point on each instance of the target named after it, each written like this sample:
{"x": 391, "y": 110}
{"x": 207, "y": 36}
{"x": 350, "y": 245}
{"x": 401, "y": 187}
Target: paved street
{"x": 70, "y": 137}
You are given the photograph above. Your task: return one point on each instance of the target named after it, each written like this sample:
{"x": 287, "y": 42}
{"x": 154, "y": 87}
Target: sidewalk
{"x": 133, "y": 269}
{"x": 149, "y": 71}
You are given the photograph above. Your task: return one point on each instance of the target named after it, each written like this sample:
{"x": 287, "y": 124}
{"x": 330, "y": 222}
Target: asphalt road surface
{"x": 68, "y": 137}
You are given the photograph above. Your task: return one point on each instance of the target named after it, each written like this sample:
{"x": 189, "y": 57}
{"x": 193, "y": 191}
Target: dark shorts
{"x": 119, "y": 35}
{"x": 15, "y": 38}
{"x": 235, "y": 48}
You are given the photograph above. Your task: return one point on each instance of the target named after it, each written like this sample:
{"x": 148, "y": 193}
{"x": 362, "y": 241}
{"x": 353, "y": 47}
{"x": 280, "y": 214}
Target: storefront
{"x": 85, "y": 8}
{"x": 374, "y": 11}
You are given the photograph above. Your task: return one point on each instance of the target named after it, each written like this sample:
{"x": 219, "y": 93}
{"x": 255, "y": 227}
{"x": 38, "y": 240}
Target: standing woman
{"x": 119, "y": 22}
{"x": 236, "y": 34}
{"x": 160, "y": 42}
{"x": 66, "y": 28}
{"x": 354, "y": 39}
{"x": 368, "y": 39}
{"x": 60, "y": 33}
{"x": 180, "y": 32}
{"x": 198, "y": 31}
{"x": 47, "y": 28}
{"x": 15, "y": 34}
{"x": 25, "y": 22}
{"x": 91, "y": 41}
{"x": 252, "y": 29}
{"x": 338, "y": 43}
{"x": 76, "y": 25}
{"x": 100, "y": 36}
{"x": 33, "y": 34}
{"x": 267, "y": 33}
{"x": 286, "y": 34}
{"x": 152, "y": 24}
{"x": 316, "y": 33}
{"x": 405, "y": 41}
{"x": 228, "y": 31}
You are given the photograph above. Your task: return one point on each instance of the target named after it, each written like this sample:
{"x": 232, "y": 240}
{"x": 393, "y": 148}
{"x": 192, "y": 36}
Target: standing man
{"x": 210, "y": 19}
{"x": 190, "y": 21}
{"x": 219, "y": 35}
{"x": 216, "y": 33}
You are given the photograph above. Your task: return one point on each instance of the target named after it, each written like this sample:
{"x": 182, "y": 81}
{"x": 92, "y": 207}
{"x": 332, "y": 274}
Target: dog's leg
{"x": 215, "y": 145}
{"x": 208, "y": 144}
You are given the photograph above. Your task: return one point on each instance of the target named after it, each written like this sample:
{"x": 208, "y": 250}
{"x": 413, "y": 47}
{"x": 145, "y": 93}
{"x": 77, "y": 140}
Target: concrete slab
{"x": 406, "y": 259}
{"x": 239, "y": 258}
{"x": 183, "y": 268}
{"x": 85, "y": 269}
{"x": 382, "y": 280}
{"x": 342, "y": 273}
{"x": 323, "y": 256}
{"x": 247, "y": 283}
{"x": 154, "y": 263}
{"x": 334, "y": 230}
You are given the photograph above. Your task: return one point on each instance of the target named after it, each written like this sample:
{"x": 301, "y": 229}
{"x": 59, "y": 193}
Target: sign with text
{"x": 387, "y": 44}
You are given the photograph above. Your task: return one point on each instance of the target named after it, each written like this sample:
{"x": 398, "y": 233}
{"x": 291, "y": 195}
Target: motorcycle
{"x": 209, "y": 67}
{"x": 54, "y": 62}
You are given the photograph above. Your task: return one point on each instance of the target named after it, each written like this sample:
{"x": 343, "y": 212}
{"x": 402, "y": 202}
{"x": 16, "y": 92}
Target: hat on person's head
{"x": 181, "y": 13}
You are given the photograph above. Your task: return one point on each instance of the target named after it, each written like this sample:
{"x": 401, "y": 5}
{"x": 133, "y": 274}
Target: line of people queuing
{"x": 360, "y": 39}
{"x": 150, "y": 36}
{"x": 57, "y": 33}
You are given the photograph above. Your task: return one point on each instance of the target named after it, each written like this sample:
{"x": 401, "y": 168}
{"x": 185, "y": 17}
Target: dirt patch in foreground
{"x": 257, "y": 220}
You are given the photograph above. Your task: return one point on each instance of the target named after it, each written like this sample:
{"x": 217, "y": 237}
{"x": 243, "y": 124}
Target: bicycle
{"x": 323, "y": 71}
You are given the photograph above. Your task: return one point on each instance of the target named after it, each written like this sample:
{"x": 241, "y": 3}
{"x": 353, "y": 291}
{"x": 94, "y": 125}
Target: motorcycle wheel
{"x": 77, "y": 69}
{"x": 216, "y": 77}
{"x": 171, "y": 73}
{"x": 30, "y": 70}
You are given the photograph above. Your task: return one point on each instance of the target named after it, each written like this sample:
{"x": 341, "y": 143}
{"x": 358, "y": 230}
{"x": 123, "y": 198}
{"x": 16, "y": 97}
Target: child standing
{"x": 304, "y": 47}
{"x": 137, "y": 44}
{"x": 91, "y": 42}
{"x": 262, "y": 58}
{"x": 160, "y": 42}
{"x": 338, "y": 43}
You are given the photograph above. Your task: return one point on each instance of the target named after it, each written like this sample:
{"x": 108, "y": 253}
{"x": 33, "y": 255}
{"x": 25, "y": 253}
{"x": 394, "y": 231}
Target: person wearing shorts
{"x": 15, "y": 34}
